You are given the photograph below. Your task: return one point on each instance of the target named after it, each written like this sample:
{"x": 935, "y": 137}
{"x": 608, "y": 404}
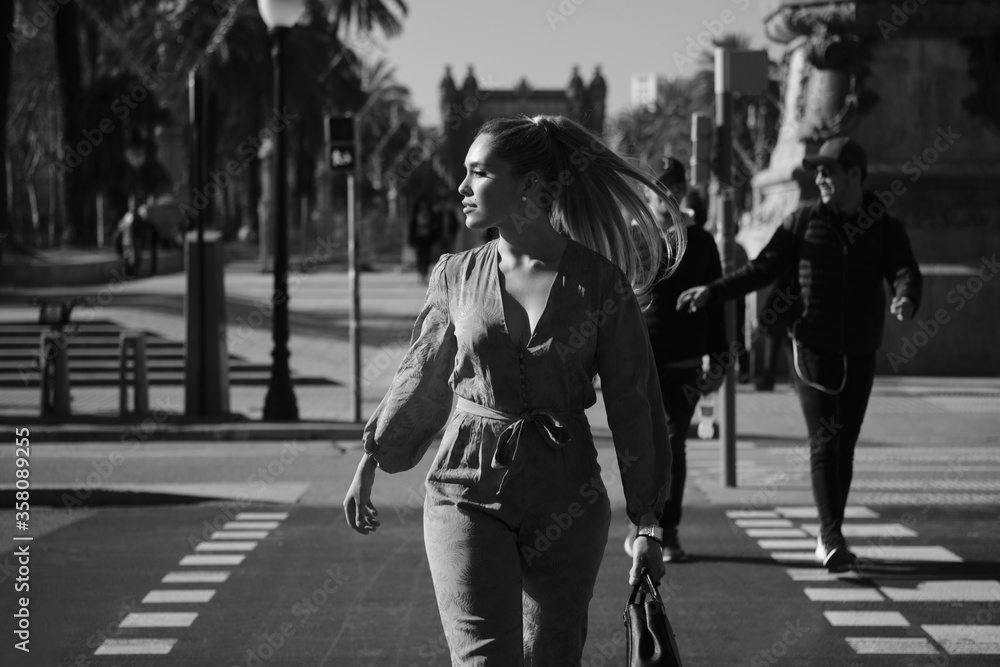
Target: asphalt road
{"x": 311, "y": 592}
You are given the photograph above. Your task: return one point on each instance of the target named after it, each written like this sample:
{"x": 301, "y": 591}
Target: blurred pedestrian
{"x": 425, "y": 229}
{"x": 682, "y": 342}
{"x": 842, "y": 253}
{"x": 447, "y": 223}
{"x": 516, "y": 515}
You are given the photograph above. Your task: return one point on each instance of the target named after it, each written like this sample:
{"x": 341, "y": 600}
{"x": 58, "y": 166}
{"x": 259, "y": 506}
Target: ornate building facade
{"x": 464, "y": 108}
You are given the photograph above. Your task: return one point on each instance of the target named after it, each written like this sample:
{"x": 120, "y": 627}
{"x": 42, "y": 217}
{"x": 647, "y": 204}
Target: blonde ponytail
{"x": 591, "y": 194}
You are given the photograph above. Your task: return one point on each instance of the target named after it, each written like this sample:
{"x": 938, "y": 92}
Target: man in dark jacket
{"x": 680, "y": 342}
{"x": 841, "y": 249}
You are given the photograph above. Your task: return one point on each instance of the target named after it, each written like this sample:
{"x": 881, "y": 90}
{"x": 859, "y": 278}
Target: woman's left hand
{"x": 646, "y": 553}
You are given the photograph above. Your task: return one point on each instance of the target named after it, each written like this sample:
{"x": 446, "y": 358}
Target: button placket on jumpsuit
{"x": 515, "y": 541}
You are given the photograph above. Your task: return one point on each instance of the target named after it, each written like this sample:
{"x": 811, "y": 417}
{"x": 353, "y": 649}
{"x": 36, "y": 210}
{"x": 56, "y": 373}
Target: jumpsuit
{"x": 516, "y": 515}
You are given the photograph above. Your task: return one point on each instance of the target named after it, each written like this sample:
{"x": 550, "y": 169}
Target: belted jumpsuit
{"x": 516, "y": 515}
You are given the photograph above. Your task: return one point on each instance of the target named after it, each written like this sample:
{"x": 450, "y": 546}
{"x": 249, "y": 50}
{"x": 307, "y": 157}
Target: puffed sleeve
{"x": 632, "y": 399}
{"x": 419, "y": 399}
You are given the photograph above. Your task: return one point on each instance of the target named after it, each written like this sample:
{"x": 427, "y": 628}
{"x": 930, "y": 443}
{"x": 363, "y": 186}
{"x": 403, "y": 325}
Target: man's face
{"x": 834, "y": 183}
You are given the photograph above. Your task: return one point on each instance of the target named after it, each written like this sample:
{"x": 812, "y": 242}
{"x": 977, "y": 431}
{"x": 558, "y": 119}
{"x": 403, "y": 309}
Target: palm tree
{"x": 650, "y": 134}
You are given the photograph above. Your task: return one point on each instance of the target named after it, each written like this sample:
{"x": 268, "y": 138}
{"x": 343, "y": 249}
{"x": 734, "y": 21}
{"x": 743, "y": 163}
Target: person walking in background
{"x": 682, "y": 341}
{"x": 841, "y": 254}
{"x": 447, "y": 223}
{"x": 425, "y": 230}
{"x": 517, "y": 329}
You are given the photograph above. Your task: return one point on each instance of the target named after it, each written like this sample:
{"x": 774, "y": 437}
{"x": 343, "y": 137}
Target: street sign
{"x": 340, "y": 143}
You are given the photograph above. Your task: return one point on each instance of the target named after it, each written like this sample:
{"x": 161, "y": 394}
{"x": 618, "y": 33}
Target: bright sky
{"x": 543, "y": 39}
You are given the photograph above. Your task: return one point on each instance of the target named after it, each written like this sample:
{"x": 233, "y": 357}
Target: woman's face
{"x": 490, "y": 193}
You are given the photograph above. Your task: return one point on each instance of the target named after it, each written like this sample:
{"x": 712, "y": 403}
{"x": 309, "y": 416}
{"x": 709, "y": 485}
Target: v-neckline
{"x": 498, "y": 293}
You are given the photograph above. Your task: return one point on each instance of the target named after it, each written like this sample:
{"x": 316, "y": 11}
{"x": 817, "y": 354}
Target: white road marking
{"x": 180, "y": 619}
{"x": 811, "y": 574}
{"x": 195, "y": 577}
{"x": 851, "y": 512}
{"x": 239, "y": 535}
{"x": 775, "y": 532}
{"x": 763, "y": 523}
{"x": 204, "y": 559}
{"x": 894, "y": 530}
{"x": 927, "y": 553}
{"x": 788, "y": 544}
{"x": 261, "y": 516}
{"x": 752, "y": 514}
{"x": 135, "y": 647}
{"x": 891, "y": 646}
{"x": 794, "y": 556}
{"x": 843, "y": 594}
{"x": 946, "y": 591}
{"x": 866, "y": 618}
{"x": 226, "y": 545}
{"x": 966, "y": 639}
{"x": 251, "y": 525}
{"x": 178, "y": 596}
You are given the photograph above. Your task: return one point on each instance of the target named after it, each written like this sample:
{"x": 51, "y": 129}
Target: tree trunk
{"x": 71, "y": 86}
{"x": 6, "y": 28}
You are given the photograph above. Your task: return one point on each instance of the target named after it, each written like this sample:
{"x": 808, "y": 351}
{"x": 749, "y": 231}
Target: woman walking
{"x": 516, "y": 514}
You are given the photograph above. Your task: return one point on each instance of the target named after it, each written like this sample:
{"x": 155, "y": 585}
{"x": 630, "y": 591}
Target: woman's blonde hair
{"x": 591, "y": 196}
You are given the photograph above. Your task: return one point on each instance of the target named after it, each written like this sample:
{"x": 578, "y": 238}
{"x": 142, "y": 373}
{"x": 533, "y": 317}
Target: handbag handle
{"x": 645, "y": 586}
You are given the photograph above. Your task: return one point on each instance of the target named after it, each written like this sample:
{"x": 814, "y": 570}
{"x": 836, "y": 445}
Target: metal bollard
{"x": 133, "y": 342}
{"x": 55, "y": 375}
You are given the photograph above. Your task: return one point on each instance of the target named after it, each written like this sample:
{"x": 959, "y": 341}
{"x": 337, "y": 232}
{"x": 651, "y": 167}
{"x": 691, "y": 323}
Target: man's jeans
{"x": 834, "y": 423}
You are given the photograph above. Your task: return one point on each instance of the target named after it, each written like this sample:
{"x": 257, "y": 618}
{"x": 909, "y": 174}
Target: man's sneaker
{"x": 840, "y": 559}
{"x": 672, "y": 550}
{"x": 820, "y": 550}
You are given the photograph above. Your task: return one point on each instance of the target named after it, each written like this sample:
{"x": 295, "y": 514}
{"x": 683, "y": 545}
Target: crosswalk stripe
{"x": 775, "y": 532}
{"x": 179, "y": 619}
{"x": 764, "y": 523}
{"x": 205, "y": 559}
{"x": 851, "y": 512}
{"x": 226, "y": 545}
{"x": 752, "y": 514}
{"x": 826, "y": 594}
{"x": 811, "y": 574}
{"x": 768, "y": 545}
{"x": 135, "y": 647}
{"x": 195, "y": 577}
{"x": 261, "y": 516}
{"x": 793, "y": 556}
{"x": 891, "y": 646}
{"x": 251, "y": 525}
{"x": 946, "y": 591}
{"x": 866, "y": 619}
{"x": 239, "y": 535}
{"x": 966, "y": 639}
{"x": 935, "y": 554}
{"x": 179, "y": 596}
{"x": 894, "y": 530}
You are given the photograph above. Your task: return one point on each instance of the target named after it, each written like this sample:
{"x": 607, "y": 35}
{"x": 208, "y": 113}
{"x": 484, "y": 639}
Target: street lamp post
{"x": 280, "y": 403}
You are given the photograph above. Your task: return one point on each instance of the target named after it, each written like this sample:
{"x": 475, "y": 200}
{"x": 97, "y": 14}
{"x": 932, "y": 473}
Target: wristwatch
{"x": 652, "y": 532}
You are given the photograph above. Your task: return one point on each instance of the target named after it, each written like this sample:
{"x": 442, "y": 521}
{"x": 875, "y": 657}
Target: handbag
{"x": 649, "y": 638}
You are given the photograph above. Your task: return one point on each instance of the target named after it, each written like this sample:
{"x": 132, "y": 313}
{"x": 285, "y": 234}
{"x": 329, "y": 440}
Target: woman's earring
{"x": 524, "y": 198}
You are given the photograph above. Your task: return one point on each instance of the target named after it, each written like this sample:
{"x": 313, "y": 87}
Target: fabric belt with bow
{"x": 550, "y": 424}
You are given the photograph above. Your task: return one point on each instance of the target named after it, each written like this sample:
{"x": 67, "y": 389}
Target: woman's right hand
{"x": 361, "y": 514}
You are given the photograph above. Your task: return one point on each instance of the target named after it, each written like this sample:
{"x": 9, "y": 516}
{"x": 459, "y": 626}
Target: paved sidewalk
{"x": 902, "y": 409}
